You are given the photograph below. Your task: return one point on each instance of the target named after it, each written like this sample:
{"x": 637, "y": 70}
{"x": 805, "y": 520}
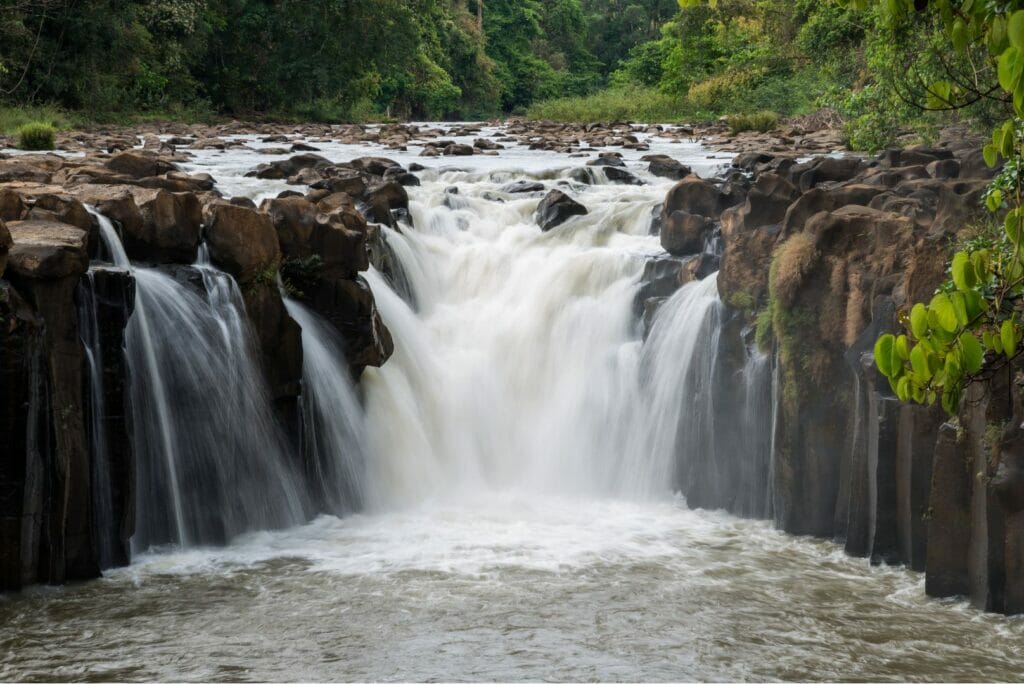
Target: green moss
{"x": 741, "y": 300}
{"x": 764, "y": 336}
{"x": 300, "y": 274}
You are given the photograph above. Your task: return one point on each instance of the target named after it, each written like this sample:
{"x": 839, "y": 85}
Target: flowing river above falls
{"x": 519, "y": 521}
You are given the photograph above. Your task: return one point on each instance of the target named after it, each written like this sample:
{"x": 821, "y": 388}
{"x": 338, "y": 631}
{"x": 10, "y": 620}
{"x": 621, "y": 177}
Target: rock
{"x": 349, "y": 181}
{"x": 458, "y": 150}
{"x": 683, "y": 233}
{"x": 523, "y": 186}
{"x": 139, "y": 164}
{"x": 5, "y": 245}
{"x": 607, "y": 159}
{"x": 61, "y": 208}
{"x": 750, "y": 161}
{"x": 666, "y": 167}
{"x": 337, "y": 238}
{"x": 694, "y": 195}
{"x": 47, "y": 250}
{"x": 557, "y": 208}
{"x": 285, "y": 168}
{"x": 402, "y": 177}
{"x": 170, "y": 230}
{"x": 944, "y": 169}
{"x": 375, "y": 166}
{"x": 621, "y": 176}
{"x": 12, "y": 206}
{"x": 386, "y": 202}
{"x": 826, "y": 170}
{"x": 242, "y": 241}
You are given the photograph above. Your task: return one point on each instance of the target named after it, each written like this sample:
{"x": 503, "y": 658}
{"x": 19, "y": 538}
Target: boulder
{"x": 385, "y": 202}
{"x": 286, "y": 168}
{"x": 621, "y": 176}
{"x": 694, "y": 195}
{"x": 47, "y": 250}
{"x": 683, "y": 233}
{"x": 666, "y": 167}
{"x": 375, "y": 166}
{"x": 170, "y": 227}
{"x": 242, "y": 241}
{"x": 139, "y": 164}
{"x": 557, "y": 208}
{"x": 523, "y": 186}
{"x": 337, "y": 238}
{"x": 12, "y": 206}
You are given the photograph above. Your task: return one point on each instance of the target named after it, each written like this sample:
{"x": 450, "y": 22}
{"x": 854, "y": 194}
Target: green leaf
{"x": 995, "y": 198}
{"x": 901, "y": 348}
{"x": 1008, "y": 336}
{"x": 963, "y": 272}
{"x": 1013, "y": 226}
{"x": 958, "y": 35}
{"x": 903, "y": 388}
{"x": 945, "y": 313}
{"x": 883, "y": 355}
{"x": 971, "y": 352}
{"x": 919, "y": 362}
{"x": 991, "y": 155}
{"x": 919, "y": 321}
{"x": 1015, "y": 29}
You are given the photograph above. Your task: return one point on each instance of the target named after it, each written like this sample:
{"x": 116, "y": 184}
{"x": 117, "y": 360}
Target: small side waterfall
{"x": 676, "y": 433}
{"x": 102, "y": 496}
{"x": 334, "y": 443}
{"x": 211, "y": 462}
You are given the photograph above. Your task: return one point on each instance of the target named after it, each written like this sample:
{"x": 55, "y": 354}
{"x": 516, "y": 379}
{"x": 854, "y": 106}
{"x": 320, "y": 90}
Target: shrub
{"x": 727, "y": 86}
{"x": 36, "y": 136}
{"x": 759, "y": 121}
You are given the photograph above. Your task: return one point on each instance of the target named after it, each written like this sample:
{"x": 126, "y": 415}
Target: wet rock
{"x": 557, "y": 208}
{"x": 139, "y": 164}
{"x": 47, "y": 250}
{"x": 621, "y": 176}
{"x": 12, "y": 206}
{"x": 170, "y": 227}
{"x": 242, "y": 241}
{"x": 683, "y": 233}
{"x": 694, "y": 195}
{"x": 666, "y": 167}
{"x": 286, "y": 168}
{"x": 385, "y": 202}
{"x": 337, "y": 238}
{"x": 523, "y": 186}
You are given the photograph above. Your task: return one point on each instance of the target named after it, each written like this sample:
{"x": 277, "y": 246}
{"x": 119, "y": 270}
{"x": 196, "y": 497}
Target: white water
{"x": 521, "y": 522}
{"x": 334, "y": 439}
{"x": 210, "y": 460}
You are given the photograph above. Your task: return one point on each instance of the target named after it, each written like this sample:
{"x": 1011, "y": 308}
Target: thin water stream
{"x": 516, "y": 459}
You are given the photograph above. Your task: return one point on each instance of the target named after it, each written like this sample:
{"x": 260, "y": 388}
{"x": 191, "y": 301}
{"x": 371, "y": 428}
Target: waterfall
{"x": 211, "y": 461}
{"x": 676, "y": 428}
{"x": 102, "y": 496}
{"x": 333, "y": 440}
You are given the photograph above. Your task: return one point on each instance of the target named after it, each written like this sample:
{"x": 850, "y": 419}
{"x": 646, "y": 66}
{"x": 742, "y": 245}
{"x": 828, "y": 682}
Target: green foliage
{"x": 36, "y": 136}
{"x": 759, "y": 121}
{"x": 627, "y": 104}
{"x": 973, "y": 324}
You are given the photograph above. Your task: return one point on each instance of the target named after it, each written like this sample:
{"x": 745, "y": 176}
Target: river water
{"x": 519, "y": 521}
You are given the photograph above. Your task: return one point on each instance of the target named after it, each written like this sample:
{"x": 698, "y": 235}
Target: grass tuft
{"x": 763, "y": 122}
{"x": 36, "y": 136}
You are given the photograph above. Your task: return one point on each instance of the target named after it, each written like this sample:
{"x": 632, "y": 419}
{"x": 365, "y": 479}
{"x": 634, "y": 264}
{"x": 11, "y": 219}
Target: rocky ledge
{"x": 312, "y": 246}
{"x": 818, "y": 259}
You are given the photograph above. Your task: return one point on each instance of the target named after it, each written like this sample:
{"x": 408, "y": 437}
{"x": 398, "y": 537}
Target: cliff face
{"x": 67, "y": 468}
{"x": 822, "y": 256}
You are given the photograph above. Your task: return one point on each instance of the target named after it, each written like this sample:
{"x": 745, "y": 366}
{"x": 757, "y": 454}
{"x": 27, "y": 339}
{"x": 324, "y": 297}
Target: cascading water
{"x": 334, "y": 445}
{"x": 521, "y": 450}
{"x": 102, "y": 496}
{"x": 210, "y": 460}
